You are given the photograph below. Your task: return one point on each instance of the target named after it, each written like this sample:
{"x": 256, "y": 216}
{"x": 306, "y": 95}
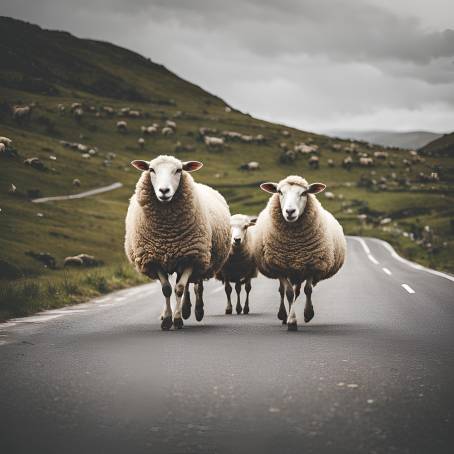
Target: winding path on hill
{"x": 80, "y": 195}
{"x": 372, "y": 372}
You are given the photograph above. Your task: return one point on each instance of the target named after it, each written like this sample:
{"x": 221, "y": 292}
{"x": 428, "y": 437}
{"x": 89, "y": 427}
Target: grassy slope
{"x": 95, "y": 225}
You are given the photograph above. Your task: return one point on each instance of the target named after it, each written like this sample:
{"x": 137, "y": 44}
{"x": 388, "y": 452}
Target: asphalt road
{"x": 372, "y": 372}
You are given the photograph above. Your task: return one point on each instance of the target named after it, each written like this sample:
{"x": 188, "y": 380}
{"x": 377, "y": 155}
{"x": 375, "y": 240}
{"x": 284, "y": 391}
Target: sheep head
{"x": 165, "y": 174}
{"x": 292, "y": 192}
{"x": 239, "y": 224}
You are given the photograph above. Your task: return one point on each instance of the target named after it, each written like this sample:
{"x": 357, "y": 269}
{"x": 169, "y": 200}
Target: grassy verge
{"x": 26, "y": 296}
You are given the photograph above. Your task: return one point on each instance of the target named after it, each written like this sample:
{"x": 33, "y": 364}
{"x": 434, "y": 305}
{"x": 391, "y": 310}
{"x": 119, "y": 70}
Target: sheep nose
{"x": 164, "y": 191}
{"x": 237, "y": 240}
{"x": 290, "y": 212}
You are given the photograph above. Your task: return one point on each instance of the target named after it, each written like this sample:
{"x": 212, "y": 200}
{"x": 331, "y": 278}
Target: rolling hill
{"x": 50, "y": 71}
{"x": 411, "y": 140}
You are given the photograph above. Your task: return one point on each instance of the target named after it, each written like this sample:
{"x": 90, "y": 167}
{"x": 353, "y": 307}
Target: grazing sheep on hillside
{"x": 122, "y": 126}
{"x": 297, "y": 240}
{"x": 314, "y": 162}
{"x": 171, "y": 124}
{"x": 134, "y": 114}
{"x": 21, "y": 114}
{"x": 366, "y": 162}
{"x": 141, "y": 142}
{"x": 166, "y": 131}
{"x": 331, "y": 163}
{"x": 347, "y": 163}
{"x": 76, "y": 182}
{"x": 380, "y": 154}
{"x": 175, "y": 225}
{"x": 36, "y": 163}
{"x": 251, "y": 166}
{"x": 78, "y": 114}
{"x": 5, "y": 141}
{"x": 214, "y": 142}
{"x": 240, "y": 266}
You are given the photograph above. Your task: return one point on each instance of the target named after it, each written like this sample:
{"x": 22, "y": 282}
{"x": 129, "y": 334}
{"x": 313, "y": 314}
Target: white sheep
{"x": 171, "y": 124}
{"x": 141, "y": 142}
{"x": 166, "y": 131}
{"x": 22, "y": 113}
{"x": 297, "y": 240}
{"x": 5, "y": 141}
{"x": 366, "y": 162}
{"x": 240, "y": 266}
{"x": 175, "y": 225}
{"x": 214, "y": 142}
{"x": 122, "y": 126}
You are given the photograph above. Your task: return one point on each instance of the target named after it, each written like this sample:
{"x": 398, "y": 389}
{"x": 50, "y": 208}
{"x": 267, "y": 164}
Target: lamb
{"x": 240, "y": 266}
{"x": 175, "y": 225}
{"x": 122, "y": 126}
{"x": 297, "y": 240}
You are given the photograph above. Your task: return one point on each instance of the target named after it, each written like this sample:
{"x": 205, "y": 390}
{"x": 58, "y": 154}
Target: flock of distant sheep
{"x": 175, "y": 225}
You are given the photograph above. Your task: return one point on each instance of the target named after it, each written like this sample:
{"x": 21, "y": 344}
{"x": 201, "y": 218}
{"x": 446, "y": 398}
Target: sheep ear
{"x": 252, "y": 221}
{"x": 315, "y": 188}
{"x": 192, "y": 166}
{"x": 269, "y": 187}
{"x": 141, "y": 165}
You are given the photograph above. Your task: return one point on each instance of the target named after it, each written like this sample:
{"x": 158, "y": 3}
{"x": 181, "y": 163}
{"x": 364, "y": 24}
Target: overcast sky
{"x": 313, "y": 64}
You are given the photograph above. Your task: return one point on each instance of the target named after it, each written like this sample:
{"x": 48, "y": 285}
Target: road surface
{"x": 79, "y": 195}
{"x": 372, "y": 373}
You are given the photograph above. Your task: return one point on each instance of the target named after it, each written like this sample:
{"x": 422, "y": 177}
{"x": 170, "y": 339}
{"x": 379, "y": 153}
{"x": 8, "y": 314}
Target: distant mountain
{"x": 443, "y": 146}
{"x": 410, "y": 139}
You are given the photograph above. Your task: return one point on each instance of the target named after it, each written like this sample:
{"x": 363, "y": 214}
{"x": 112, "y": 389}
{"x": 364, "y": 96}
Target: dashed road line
{"x": 372, "y": 259}
{"x": 363, "y": 244}
{"x": 387, "y": 271}
{"x": 408, "y": 288}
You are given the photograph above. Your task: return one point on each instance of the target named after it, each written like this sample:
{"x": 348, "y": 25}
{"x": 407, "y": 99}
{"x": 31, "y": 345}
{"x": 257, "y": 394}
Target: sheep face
{"x": 165, "y": 174}
{"x": 292, "y": 197}
{"x": 239, "y": 223}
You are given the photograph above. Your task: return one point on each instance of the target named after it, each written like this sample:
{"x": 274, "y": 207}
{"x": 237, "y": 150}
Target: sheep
{"x": 76, "y": 182}
{"x": 175, "y": 225}
{"x": 366, "y": 162}
{"x": 166, "y": 131}
{"x": 5, "y": 141}
{"x": 21, "y": 114}
{"x": 35, "y": 163}
{"x": 171, "y": 124}
{"x": 297, "y": 240}
{"x": 141, "y": 142}
{"x": 251, "y": 166}
{"x": 347, "y": 163}
{"x": 78, "y": 114}
{"x": 240, "y": 266}
{"x": 314, "y": 162}
{"x": 331, "y": 163}
{"x": 122, "y": 127}
{"x": 2, "y": 147}
{"x": 134, "y": 114}
{"x": 214, "y": 142}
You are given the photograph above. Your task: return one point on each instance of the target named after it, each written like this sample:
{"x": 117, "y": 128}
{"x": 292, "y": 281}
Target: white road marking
{"x": 372, "y": 259}
{"x": 413, "y": 265}
{"x": 36, "y": 318}
{"x": 387, "y": 271}
{"x": 66, "y": 311}
{"x": 408, "y": 288}
{"x": 363, "y": 244}
{"x": 120, "y": 298}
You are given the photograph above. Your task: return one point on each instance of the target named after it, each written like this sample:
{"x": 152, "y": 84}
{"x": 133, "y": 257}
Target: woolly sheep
{"x": 175, "y": 225}
{"x": 214, "y": 142}
{"x": 366, "y": 162}
{"x": 297, "y": 240}
{"x": 22, "y": 113}
{"x": 240, "y": 266}
{"x": 314, "y": 162}
{"x": 122, "y": 126}
{"x": 166, "y": 131}
{"x": 5, "y": 141}
{"x": 141, "y": 142}
{"x": 171, "y": 124}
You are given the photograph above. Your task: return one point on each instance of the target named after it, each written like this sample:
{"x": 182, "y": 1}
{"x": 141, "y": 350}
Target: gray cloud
{"x": 314, "y": 64}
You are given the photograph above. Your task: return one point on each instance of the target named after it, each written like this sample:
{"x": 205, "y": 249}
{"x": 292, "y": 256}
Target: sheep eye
{"x": 178, "y": 171}
{"x": 152, "y": 170}
{"x": 279, "y": 192}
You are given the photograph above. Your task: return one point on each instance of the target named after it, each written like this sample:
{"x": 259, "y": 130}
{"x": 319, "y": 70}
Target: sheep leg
{"x": 180, "y": 288}
{"x": 297, "y": 290}
{"x": 186, "y": 306}
{"x": 199, "y": 312}
{"x": 247, "y": 287}
{"x": 166, "y": 315}
{"x": 238, "y": 303}
{"x": 228, "y": 292}
{"x": 282, "y": 314}
{"x": 291, "y": 320}
{"x": 308, "y": 308}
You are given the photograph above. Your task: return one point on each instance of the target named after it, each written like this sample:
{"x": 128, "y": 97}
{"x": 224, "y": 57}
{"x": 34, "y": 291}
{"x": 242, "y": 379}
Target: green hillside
{"x": 49, "y": 71}
{"x": 443, "y": 146}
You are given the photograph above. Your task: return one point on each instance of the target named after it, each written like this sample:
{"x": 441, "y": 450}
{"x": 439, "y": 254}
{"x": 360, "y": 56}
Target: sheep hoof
{"x": 292, "y": 326}
{"x": 228, "y": 311}
{"x": 199, "y": 313}
{"x": 186, "y": 311}
{"x": 166, "y": 323}
{"x": 282, "y": 314}
{"x": 238, "y": 310}
{"x": 178, "y": 323}
{"x": 246, "y": 310}
{"x": 308, "y": 314}
{"x": 284, "y": 322}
